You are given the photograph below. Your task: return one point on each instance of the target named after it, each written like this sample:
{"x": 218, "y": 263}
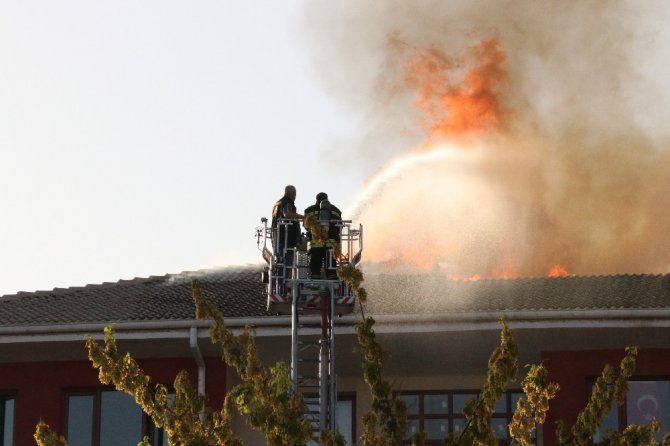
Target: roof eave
{"x": 524, "y": 319}
{"x": 385, "y": 323}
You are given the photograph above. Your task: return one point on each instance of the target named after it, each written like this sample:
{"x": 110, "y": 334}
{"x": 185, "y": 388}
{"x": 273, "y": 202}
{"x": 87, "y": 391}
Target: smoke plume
{"x": 516, "y": 137}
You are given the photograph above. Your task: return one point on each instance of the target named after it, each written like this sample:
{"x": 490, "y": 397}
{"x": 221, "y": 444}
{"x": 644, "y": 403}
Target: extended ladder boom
{"x": 313, "y": 303}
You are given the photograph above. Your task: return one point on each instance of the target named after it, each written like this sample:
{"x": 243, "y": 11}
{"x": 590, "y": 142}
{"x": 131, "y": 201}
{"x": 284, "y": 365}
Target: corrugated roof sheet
{"x": 238, "y": 292}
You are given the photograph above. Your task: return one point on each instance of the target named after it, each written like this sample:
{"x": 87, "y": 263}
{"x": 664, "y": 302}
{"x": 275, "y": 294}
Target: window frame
{"x": 96, "y": 393}
{"x": 344, "y": 396}
{"x": 451, "y": 415}
{"x": 621, "y": 411}
{"x": 4, "y": 397}
{"x": 350, "y": 396}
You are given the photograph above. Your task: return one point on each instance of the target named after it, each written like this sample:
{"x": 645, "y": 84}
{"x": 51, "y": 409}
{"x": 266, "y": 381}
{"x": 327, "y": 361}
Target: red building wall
{"x": 38, "y": 387}
{"x": 574, "y": 370}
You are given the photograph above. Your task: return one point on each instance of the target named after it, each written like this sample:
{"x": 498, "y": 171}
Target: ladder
{"x": 313, "y": 351}
{"x": 313, "y": 304}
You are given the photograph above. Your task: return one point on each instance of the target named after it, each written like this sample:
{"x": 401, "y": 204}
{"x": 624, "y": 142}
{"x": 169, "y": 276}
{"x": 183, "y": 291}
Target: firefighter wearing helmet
{"x": 326, "y": 214}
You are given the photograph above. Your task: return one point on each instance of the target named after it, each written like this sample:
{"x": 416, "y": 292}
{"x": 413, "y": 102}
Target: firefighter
{"x": 326, "y": 214}
{"x": 285, "y": 237}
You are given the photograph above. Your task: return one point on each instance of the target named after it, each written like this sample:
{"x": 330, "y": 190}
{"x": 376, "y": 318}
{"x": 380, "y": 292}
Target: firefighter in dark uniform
{"x": 318, "y": 250}
{"x": 285, "y": 237}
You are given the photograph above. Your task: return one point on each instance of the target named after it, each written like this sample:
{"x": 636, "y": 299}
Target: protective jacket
{"x": 292, "y": 232}
{"x": 333, "y": 229}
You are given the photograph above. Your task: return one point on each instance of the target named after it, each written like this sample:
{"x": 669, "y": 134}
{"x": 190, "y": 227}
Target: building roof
{"x": 435, "y": 293}
{"x": 239, "y": 293}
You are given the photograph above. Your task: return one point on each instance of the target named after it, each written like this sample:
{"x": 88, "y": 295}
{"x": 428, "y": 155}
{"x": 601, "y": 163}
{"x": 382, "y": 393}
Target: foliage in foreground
{"x": 46, "y": 437}
{"x": 532, "y": 409}
{"x": 610, "y": 388}
{"x": 502, "y": 369}
{"x": 264, "y": 395}
{"x": 386, "y": 422}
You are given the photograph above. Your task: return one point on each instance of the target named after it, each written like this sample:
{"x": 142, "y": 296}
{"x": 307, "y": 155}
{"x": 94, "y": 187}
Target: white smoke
{"x": 580, "y": 174}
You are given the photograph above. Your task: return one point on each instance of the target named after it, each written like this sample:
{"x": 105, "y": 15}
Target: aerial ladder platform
{"x": 313, "y": 303}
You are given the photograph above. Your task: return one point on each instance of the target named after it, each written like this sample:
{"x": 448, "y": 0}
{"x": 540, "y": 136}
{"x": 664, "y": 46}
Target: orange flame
{"x": 557, "y": 271}
{"x": 458, "y": 105}
{"x": 460, "y": 100}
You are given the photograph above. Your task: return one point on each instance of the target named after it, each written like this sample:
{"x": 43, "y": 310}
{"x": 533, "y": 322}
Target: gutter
{"x": 521, "y": 316}
{"x": 122, "y": 326}
{"x": 523, "y": 319}
{"x": 281, "y": 325}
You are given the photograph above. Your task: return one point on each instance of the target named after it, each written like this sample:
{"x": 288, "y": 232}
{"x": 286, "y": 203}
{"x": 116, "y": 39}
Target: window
{"x": 6, "y": 420}
{"x": 345, "y": 416}
{"x": 438, "y": 414}
{"x": 645, "y": 400}
{"x": 107, "y": 418}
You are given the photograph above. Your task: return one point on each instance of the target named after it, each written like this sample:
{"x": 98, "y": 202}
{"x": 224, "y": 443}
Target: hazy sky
{"x": 145, "y": 138}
